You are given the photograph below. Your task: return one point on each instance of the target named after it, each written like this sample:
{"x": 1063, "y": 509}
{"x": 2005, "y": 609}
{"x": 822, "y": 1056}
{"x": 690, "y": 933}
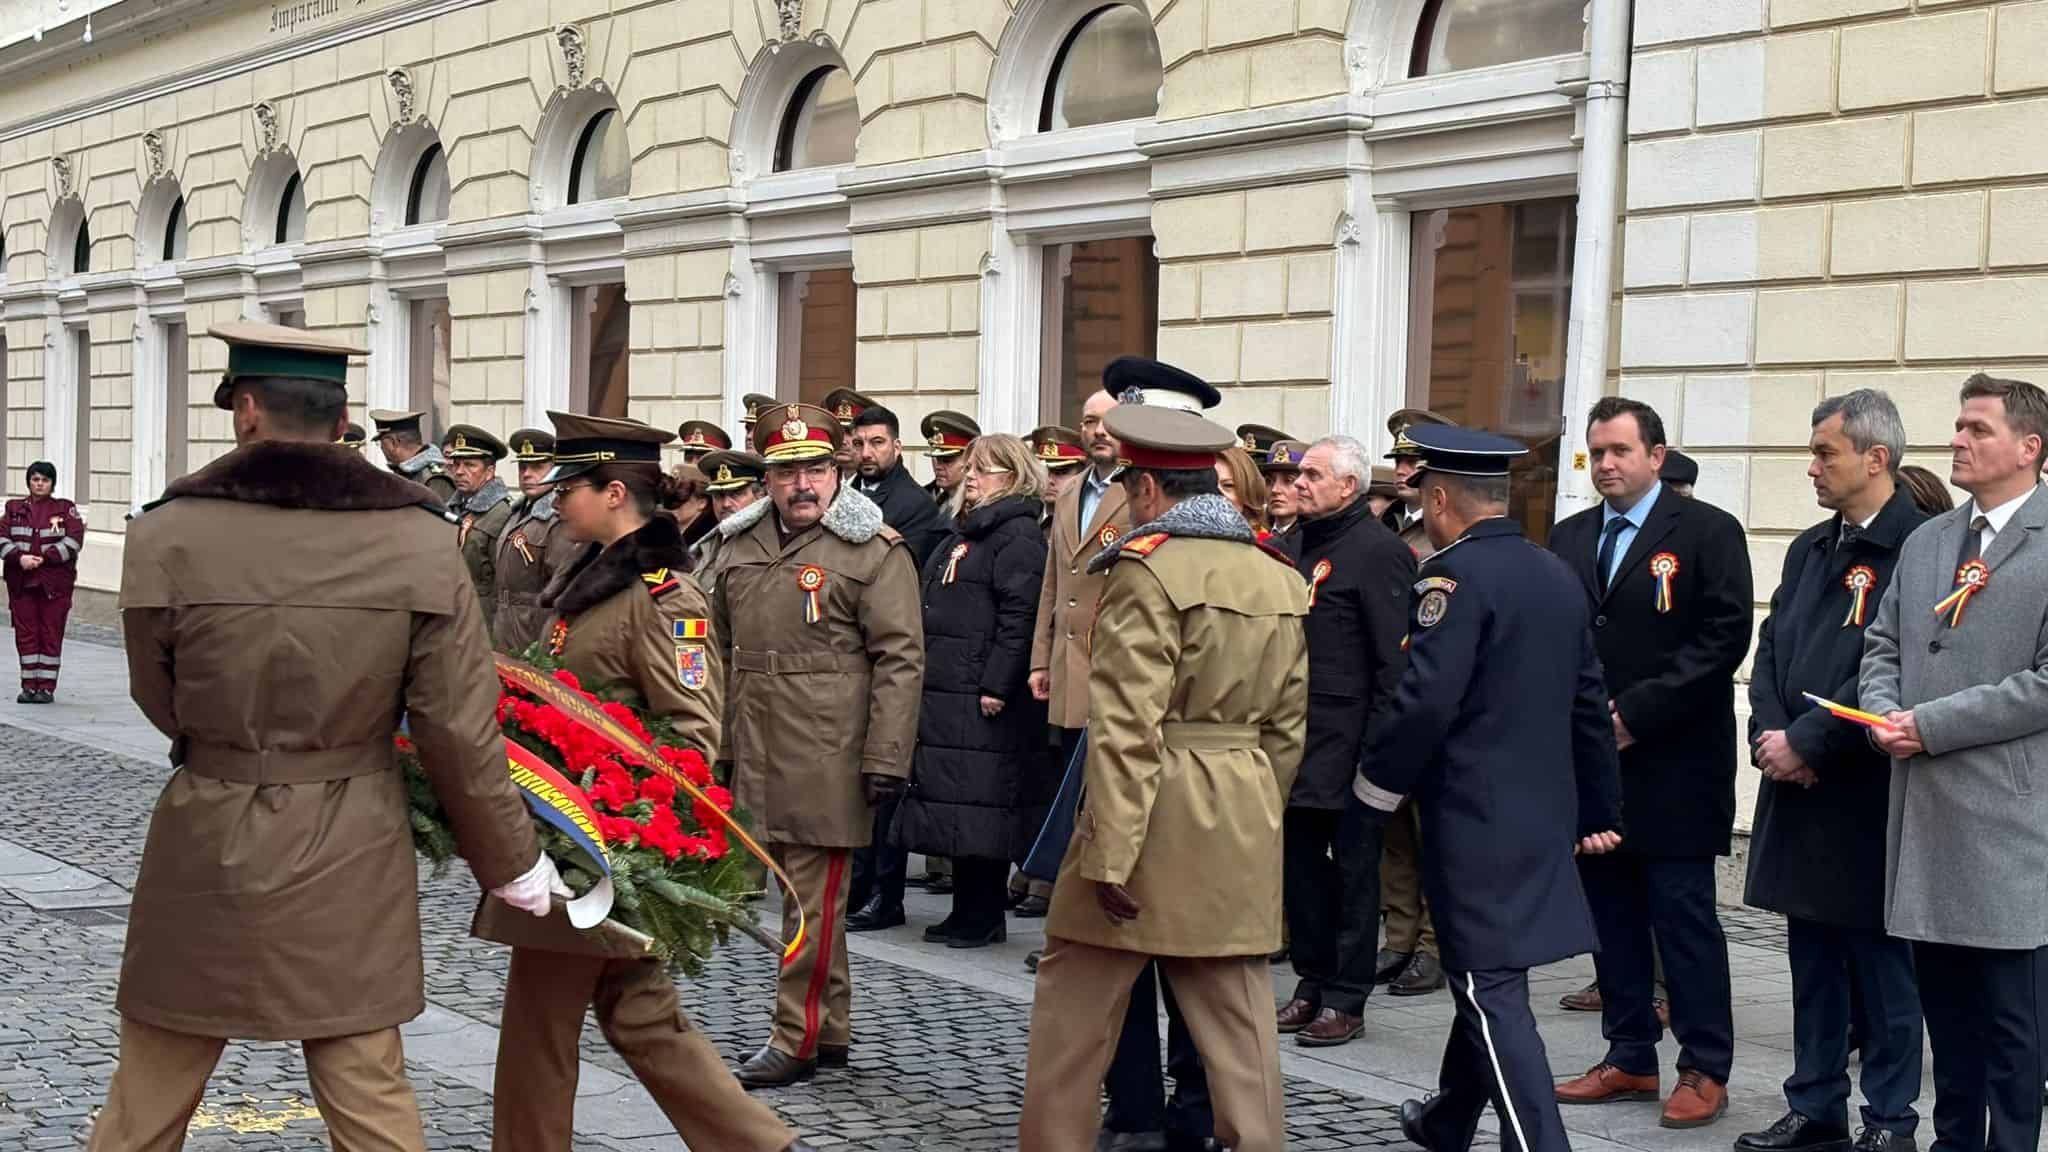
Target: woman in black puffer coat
{"x": 982, "y": 778}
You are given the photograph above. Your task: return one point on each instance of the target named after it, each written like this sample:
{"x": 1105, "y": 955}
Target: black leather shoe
{"x": 1414, "y": 1119}
{"x": 1031, "y": 960}
{"x": 939, "y": 933}
{"x": 832, "y": 1055}
{"x": 1424, "y": 974}
{"x": 1885, "y": 1140}
{"x": 938, "y": 885}
{"x": 875, "y": 916}
{"x": 46, "y": 697}
{"x": 1033, "y": 907}
{"x": 26, "y": 697}
{"x": 995, "y": 935}
{"x": 774, "y": 1068}
{"x": 1793, "y": 1132}
{"x": 1389, "y": 964}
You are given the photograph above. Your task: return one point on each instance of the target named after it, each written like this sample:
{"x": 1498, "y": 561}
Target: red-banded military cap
{"x": 1058, "y": 448}
{"x": 948, "y": 433}
{"x": 790, "y": 432}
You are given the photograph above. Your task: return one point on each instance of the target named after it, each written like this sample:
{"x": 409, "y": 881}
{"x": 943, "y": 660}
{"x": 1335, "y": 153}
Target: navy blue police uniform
{"x": 1500, "y": 731}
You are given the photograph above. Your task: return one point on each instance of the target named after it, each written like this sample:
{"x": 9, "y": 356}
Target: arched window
{"x": 174, "y": 232}
{"x": 1108, "y": 70}
{"x": 822, "y": 124}
{"x": 1458, "y": 34}
{"x": 81, "y": 249}
{"x": 426, "y": 201}
{"x": 291, "y": 212}
{"x": 601, "y": 168}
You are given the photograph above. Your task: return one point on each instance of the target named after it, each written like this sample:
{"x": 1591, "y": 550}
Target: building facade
{"x": 1499, "y": 209}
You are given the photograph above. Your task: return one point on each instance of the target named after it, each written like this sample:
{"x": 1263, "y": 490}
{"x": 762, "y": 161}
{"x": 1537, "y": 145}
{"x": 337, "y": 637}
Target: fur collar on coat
{"x": 296, "y": 474}
{"x": 600, "y": 573}
{"x": 1201, "y": 517}
{"x": 852, "y": 517}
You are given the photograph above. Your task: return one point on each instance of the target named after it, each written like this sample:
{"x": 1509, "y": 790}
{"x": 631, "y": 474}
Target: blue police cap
{"x": 1463, "y": 451}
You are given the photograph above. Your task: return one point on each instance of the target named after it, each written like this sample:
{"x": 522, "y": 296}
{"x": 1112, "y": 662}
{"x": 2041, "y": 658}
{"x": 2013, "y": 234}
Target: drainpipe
{"x": 1600, "y": 160}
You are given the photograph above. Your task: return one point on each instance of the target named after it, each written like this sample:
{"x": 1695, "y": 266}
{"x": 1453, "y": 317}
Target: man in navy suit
{"x": 1500, "y": 730}
{"x": 1668, "y": 582}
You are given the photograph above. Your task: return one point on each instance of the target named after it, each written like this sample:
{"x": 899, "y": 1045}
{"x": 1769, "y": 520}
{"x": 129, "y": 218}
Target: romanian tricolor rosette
{"x": 1859, "y": 581}
{"x": 1970, "y": 580}
{"x": 811, "y": 579}
{"x": 953, "y": 562}
{"x": 1664, "y": 569}
{"x": 1316, "y": 576}
{"x": 565, "y": 807}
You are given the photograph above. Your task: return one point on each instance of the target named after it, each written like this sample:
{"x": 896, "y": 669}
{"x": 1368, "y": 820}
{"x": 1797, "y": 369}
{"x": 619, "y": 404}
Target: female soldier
{"x": 615, "y": 611}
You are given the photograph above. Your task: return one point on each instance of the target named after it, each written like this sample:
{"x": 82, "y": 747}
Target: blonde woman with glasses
{"x": 982, "y": 779}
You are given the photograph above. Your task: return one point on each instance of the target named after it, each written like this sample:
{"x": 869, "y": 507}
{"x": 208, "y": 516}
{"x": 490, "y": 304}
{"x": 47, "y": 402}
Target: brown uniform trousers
{"x": 1402, "y": 903}
{"x": 635, "y": 1001}
{"x": 814, "y": 991}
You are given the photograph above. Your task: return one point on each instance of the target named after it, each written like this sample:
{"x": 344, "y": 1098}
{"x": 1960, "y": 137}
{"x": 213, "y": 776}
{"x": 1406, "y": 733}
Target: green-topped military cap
{"x": 754, "y": 404}
{"x": 700, "y": 438}
{"x": 353, "y": 436}
{"x": 586, "y": 442}
{"x": 469, "y": 442}
{"x": 533, "y": 446}
{"x": 728, "y": 470}
{"x": 275, "y": 351}
{"x": 1399, "y": 424}
{"x": 1258, "y": 439}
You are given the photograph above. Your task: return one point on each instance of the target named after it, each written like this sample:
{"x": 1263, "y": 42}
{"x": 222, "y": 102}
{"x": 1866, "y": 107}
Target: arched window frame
{"x": 807, "y": 89}
{"x": 70, "y": 233}
{"x": 1425, "y": 37}
{"x": 161, "y": 228}
{"x": 425, "y": 203}
{"x": 276, "y": 188}
{"x": 1049, "y": 89}
{"x": 584, "y": 156}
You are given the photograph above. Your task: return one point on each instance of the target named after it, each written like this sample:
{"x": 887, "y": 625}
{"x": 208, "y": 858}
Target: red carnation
{"x": 565, "y": 677}
{"x": 658, "y": 789}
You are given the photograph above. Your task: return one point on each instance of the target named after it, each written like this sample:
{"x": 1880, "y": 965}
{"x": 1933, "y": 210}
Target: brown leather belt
{"x": 787, "y": 663}
{"x": 289, "y": 766}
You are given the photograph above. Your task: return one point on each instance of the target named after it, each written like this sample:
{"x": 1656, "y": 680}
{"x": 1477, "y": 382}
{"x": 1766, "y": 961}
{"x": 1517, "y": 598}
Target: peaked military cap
{"x": 728, "y": 470}
{"x": 699, "y": 437}
{"x": 1139, "y": 380}
{"x": 586, "y": 442}
{"x": 469, "y": 442}
{"x": 1166, "y": 438}
{"x": 273, "y": 350}
{"x": 388, "y": 422}
{"x": 845, "y": 404}
{"x": 1399, "y": 424}
{"x": 1058, "y": 448}
{"x": 1283, "y": 456}
{"x": 1679, "y": 468}
{"x": 948, "y": 433}
{"x": 753, "y": 403}
{"x": 788, "y": 433}
{"x": 533, "y": 446}
{"x": 1258, "y": 439}
{"x": 353, "y": 436}
{"x": 1462, "y": 451}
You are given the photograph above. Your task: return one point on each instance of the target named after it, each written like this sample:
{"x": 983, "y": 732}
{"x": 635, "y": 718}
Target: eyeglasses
{"x": 990, "y": 469}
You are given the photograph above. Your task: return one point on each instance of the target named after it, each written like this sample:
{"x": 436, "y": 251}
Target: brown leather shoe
{"x": 1698, "y": 1101}
{"x": 1586, "y": 999}
{"x": 1295, "y": 1015}
{"x": 1603, "y": 1083}
{"x": 1329, "y": 1029}
{"x": 774, "y": 1068}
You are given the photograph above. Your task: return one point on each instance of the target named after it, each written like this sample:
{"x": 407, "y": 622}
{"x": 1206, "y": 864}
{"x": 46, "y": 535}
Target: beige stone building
{"x": 1334, "y": 208}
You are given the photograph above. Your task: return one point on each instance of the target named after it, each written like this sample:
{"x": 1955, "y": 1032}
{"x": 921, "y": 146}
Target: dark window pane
{"x": 1460, "y": 34}
{"x": 1102, "y": 302}
{"x": 602, "y": 168}
{"x": 822, "y": 123}
{"x": 1107, "y": 71}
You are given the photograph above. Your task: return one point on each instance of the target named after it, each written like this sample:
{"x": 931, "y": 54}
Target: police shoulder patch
{"x": 1432, "y": 608}
{"x": 1431, "y": 583}
{"x": 1145, "y": 545}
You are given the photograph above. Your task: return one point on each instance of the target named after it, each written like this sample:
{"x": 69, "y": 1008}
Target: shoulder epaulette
{"x": 1144, "y": 545}
{"x": 889, "y": 535}
{"x": 660, "y": 581}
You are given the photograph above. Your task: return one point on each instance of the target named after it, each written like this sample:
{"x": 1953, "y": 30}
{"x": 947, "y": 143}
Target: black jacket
{"x": 1671, "y": 674}
{"x": 907, "y": 509}
{"x": 1499, "y": 730}
{"x": 1818, "y": 853}
{"x": 980, "y": 785}
{"x": 1359, "y": 576}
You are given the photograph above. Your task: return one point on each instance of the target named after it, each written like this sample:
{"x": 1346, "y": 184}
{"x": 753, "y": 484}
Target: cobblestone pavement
{"x": 936, "y": 1064}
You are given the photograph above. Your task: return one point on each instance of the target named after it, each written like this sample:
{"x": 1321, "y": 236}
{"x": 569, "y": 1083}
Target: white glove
{"x": 534, "y": 891}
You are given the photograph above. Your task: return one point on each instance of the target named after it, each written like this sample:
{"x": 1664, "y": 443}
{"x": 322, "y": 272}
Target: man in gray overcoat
{"x": 1957, "y": 664}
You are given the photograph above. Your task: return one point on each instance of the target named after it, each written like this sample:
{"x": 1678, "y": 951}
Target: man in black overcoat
{"x": 1358, "y": 574}
{"x": 1668, "y": 582}
{"x": 1817, "y": 845}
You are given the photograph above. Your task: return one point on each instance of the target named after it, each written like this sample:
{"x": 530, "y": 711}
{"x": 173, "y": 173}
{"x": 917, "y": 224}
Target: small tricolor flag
{"x": 691, "y": 628}
{"x": 1852, "y": 715}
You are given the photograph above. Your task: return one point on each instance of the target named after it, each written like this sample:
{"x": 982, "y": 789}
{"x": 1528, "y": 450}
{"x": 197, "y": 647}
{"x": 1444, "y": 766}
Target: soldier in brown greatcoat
{"x": 818, "y": 603}
{"x": 410, "y": 455}
{"x": 624, "y": 615}
{"x": 277, "y": 898}
{"x": 482, "y": 506}
{"x": 533, "y": 547}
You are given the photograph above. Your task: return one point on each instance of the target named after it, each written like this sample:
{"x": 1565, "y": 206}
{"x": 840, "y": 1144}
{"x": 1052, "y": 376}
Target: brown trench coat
{"x": 278, "y": 895}
{"x": 812, "y": 707}
{"x": 1199, "y": 694}
{"x": 1067, "y": 596}
{"x": 621, "y": 604}
{"x": 533, "y": 549}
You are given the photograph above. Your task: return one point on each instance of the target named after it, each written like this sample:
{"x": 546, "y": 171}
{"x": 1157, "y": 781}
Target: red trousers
{"x": 39, "y": 635}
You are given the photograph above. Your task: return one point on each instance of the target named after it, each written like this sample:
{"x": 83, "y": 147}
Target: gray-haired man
{"x": 1816, "y": 849}
{"x": 1957, "y": 664}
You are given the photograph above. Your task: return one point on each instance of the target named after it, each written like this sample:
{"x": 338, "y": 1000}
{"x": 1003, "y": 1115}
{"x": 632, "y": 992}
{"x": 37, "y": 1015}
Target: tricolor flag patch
{"x": 691, "y": 628}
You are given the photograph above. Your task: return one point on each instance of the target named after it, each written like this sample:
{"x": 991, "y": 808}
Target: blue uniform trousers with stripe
{"x": 1494, "y": 1055}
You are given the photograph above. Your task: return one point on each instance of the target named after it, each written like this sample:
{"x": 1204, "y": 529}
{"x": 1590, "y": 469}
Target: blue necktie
{"x": 1608, "y": 536}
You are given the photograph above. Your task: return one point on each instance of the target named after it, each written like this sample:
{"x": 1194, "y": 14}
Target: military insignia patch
{"x": 1435, "y": 603}
{"x": 659, "y": 581}
{"x": 1425, "y": 584}
{"x": 1142, "y": 545}
{"x": 693, "y": 666}
{"x": 1108, "y": 537}
{"x": 690, "y": 628}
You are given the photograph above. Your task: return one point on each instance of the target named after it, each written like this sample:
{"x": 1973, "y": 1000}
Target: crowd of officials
{"x": 1204, "y": 699}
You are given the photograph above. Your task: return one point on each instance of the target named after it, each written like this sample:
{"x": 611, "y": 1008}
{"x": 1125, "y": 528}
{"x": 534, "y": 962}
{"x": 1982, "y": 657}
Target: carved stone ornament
{"x": 991, "y": 265}
{"x": 532, "y": 300}
{"x": 266, "y": 126}
{"x": 372, "y": 315}
{"x": 574, "y": 68}
{"x": 790, "y": 17}
{"x": 736, "y": 161}
{"x": 401, "y": 89}
{"x": 153, "y": 154}
{"x": 67, "y": 181}
{"x": 1348, "y": 231}
{"x": 732, "y": 286}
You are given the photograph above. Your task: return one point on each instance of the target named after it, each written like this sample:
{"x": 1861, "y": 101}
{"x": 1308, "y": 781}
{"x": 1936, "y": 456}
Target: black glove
{"x": 880, "y": 789}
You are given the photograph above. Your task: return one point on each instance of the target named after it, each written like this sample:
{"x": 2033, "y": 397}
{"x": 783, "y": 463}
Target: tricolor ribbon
{"x": 1860, "y": 580}
{"x": 812, "y": 580}
{"x": 532, "y": 680}
{"x": 1664, "y": 567}
{"x": 1316, "y": 576}
{"x": 953, "y": 562}
{"x": 566, "y": 808}
{"x": 1852, "y": 715}
{"x": 1970, "y": 580}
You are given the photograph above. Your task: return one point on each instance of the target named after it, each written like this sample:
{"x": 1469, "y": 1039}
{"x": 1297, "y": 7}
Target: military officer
{"x": 1282, "y": 466}
{"x": 819, "y": 603}
{"x": 398, "y": 435}
{"x": 353, "y": 436}
{"x": 947, "y": 435}
{"x": 845, "y": 405}
{"x": 277, "y": 898}
{"x": 1197, "y": 717}
{"x": 481, "y": 503}
{"x": 1499, "y": 730}
{"x": 1405, "y": 517}
{"x": 733, "y": 480}
{"x": 700, "y": 438}
{"x": 751, "y": 407}
{"x": 1064, "y": 455}
{"x": 1680, "y": 471}
{"x": 531, "y": 549}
